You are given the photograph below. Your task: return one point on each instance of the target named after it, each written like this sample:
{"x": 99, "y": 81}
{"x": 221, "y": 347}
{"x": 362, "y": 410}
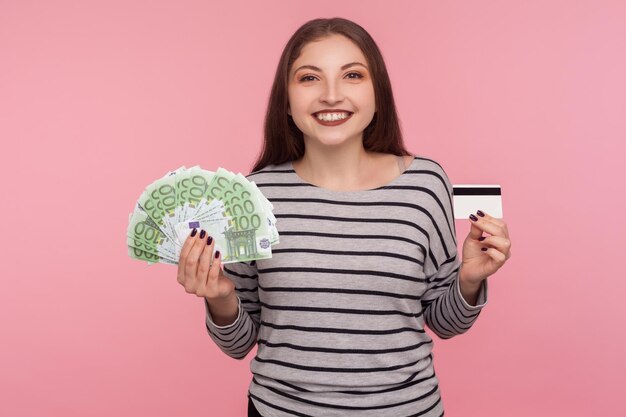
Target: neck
{"x": 334, "y": 167}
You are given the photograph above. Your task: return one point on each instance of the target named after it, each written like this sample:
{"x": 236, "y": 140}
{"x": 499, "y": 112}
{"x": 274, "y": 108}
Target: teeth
{"x": 330, "y": 117}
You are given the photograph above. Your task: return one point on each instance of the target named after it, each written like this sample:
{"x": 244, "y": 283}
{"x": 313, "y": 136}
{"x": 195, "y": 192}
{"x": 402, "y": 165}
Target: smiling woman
{"x": 331, "y": 93}
{"x": 367, "y": 257}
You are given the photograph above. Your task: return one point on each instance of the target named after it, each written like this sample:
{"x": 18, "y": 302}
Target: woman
{"x": 367, "y": 255}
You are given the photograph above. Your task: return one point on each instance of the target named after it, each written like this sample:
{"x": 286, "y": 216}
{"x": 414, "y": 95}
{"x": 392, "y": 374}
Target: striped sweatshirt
{"x": 339, "y": 313}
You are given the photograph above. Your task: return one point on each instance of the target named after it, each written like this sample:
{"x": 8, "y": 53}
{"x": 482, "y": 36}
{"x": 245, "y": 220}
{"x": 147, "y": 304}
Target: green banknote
{"x": 229, "y": 207}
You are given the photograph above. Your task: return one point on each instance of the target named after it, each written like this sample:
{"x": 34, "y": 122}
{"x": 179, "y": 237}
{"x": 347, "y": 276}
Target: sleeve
{"x": 239, "y": 337}
{"x": 446, "y": 312}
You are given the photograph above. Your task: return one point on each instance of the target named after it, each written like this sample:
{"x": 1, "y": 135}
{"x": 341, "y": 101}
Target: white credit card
{"x": 469, "y": 198}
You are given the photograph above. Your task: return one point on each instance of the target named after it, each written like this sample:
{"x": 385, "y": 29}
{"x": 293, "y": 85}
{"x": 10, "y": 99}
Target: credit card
{"x": 469, "y": 198}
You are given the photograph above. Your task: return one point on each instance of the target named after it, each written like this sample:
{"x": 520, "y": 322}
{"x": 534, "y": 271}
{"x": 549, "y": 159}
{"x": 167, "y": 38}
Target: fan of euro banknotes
{"x": 229, "y": 207}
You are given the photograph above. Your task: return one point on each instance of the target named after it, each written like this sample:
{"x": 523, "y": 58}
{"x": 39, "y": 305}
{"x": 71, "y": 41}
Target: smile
{"x": 332, "y": 119}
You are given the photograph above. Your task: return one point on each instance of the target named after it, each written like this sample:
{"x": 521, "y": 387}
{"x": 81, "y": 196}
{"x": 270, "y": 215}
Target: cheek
{"x": 299, "y": 102}
{"x": 365, "y": 98}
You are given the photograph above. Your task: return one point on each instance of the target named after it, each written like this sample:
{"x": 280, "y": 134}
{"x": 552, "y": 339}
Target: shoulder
{"x": 271, "y": 172}
{"x": 431, "y": 172}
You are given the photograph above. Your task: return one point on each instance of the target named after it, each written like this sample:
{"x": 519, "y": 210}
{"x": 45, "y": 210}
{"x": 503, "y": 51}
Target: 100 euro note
{"x": 229, "y": 207}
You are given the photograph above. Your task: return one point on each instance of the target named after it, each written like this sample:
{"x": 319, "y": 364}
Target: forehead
{"x": 329, "y": 53}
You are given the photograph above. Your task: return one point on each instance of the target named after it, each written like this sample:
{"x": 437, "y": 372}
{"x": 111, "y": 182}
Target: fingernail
{"x": 483, "y": 249}
{"x": 481, "y": 238}
{"x": 202, "y": 234}
{"x": 480, "y": 213}
{"x": 209, "y": 240}
{"x": 217, "y": 254}
{"x": 474, "y": 218}
{"x": 193, "y": 232}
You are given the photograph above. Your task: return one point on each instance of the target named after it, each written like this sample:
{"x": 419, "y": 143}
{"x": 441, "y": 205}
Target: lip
{"x": 332, "y": 111}
{"x": 334, "y": 122}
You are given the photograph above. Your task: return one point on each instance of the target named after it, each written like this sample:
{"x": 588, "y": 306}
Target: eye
{"x": 305, "y": 78}
{"x": 355, "y": 73}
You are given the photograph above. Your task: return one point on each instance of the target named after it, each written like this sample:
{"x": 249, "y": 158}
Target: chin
{"x": 329, "y": 140}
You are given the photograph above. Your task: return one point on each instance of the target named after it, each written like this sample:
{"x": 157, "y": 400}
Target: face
{"x": 331, "y": 74}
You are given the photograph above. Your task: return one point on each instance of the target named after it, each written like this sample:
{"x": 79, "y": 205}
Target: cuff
{"x": 481, "y": 300}
{"x": 209, "y": 319}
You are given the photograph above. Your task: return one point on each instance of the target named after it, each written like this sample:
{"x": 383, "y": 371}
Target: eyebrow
{"x": 314, "y": 68}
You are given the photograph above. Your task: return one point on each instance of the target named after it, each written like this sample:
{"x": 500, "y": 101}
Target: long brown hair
{"x": 283, "y": 141}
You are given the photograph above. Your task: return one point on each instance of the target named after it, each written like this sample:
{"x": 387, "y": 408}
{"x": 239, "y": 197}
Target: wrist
{"x": 224, "y": 311}
{"x": 468, "y": 283}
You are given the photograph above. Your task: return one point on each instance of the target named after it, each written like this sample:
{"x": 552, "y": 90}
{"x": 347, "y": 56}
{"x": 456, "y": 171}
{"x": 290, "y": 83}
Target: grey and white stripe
{"x": 339, "y": 311}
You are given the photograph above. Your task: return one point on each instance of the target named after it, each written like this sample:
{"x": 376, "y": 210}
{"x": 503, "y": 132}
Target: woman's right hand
{"x": 200, "y": 272}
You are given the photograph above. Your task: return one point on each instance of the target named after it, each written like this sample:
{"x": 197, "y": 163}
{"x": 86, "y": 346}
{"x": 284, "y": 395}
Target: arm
{"x": 446, "y": 312}
{"x": 239, "y": 337}
{"x": 449, "y": 309}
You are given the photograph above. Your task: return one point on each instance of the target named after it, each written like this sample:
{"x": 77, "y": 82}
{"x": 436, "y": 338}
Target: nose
{"x": 331, "y": 92}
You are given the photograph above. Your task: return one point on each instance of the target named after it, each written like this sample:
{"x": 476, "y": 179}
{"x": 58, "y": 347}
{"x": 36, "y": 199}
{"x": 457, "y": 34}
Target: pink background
{"x": 100, "y": 98}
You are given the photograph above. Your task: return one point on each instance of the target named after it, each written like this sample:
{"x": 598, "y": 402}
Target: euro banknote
{"x": 229, "y": 207}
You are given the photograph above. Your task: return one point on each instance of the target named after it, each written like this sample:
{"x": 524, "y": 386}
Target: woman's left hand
{"x": 477, "y": 264}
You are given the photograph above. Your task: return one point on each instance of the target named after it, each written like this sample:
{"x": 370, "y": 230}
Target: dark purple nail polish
{"x": 474, "y": 218}
{"x": 481, "y": 238}
{"x": 217, "y": 254}
{"x": 202, "y": 234}
{"x": 193, "y": 232}
{"x": 480, "y": 213}
{"x": 209, "y": 240}
{"x": 483, "y": 249}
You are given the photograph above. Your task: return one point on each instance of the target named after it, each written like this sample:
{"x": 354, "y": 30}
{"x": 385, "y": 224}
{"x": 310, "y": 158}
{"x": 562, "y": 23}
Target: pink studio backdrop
{"x": 100, "y": 98}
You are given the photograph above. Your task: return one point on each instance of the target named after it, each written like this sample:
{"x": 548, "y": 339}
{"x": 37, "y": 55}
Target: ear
{"x": 289, "y": 110}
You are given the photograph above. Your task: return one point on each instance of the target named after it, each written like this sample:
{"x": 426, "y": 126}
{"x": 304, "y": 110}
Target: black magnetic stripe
{"x": 477, "y": 191}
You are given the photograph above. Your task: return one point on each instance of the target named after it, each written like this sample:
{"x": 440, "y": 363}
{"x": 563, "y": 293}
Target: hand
{"x": 477, "y": 265}
{"x": 200, "y": 272}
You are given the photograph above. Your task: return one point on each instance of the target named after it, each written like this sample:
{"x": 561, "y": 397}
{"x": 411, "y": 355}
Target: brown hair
{"x": 283, "y": 141}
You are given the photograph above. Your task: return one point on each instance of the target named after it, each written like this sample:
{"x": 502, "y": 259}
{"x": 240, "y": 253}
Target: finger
{"x": 499, "y": 222}
{"x": 184, "y": 251}
{"x": 191, "y": 264}
{"x": 204, "y": 266}
{"x": 502, "y": 244}
{"x": 496, "y": 255}
{"x": 214, "y": 273}
{"x": 484, "y": 226}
